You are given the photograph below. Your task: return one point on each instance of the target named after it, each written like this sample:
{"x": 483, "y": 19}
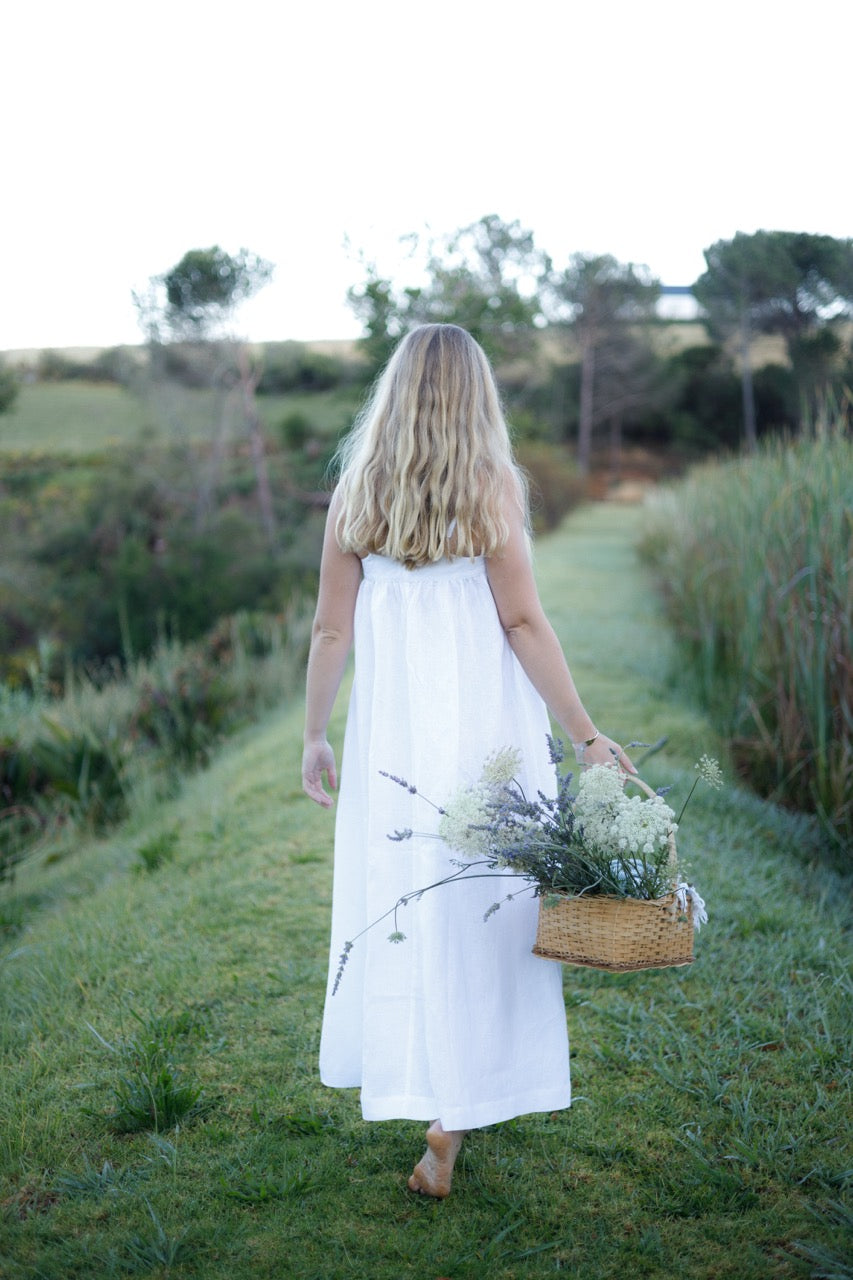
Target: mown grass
{"x": 87, "y": 418}
{"x": 707, "y": 1135}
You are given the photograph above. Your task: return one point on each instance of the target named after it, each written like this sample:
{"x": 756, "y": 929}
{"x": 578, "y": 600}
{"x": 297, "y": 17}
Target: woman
{"x": 426, "y": 564}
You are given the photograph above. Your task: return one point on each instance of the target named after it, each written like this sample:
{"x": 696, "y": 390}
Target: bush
{"x": 196, "y": 364}
{"x": 105, "y": 560}
{"x": 752, "y": 557}
{"x": 9, "y": 388}
{"x": 295, "y": 429}
{"x": 77, "y": 759}
{"x": 111, "y": 365}
{"x": 556, "y": 486}
{"x": 291, "y": 366}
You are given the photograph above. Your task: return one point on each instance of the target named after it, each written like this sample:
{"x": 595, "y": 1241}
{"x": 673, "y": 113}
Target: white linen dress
{"x": 460, "y": 1022}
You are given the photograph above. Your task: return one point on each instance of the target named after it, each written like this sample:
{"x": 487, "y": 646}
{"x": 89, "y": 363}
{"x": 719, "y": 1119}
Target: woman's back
{"x": 436, "y": 690}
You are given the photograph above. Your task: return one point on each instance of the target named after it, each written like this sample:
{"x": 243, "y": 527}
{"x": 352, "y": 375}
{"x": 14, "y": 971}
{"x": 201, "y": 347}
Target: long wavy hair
{"x": 430, "y": 447}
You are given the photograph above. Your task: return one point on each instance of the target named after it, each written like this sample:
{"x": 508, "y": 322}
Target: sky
{"x": 319, "y": 134}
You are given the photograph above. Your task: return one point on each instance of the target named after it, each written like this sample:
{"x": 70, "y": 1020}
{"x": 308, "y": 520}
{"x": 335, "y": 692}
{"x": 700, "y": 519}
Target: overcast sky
{"x": 132, "y": 133}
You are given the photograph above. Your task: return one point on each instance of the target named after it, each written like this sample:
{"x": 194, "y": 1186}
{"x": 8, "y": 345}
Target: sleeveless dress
{"x": 460, "y": 1021}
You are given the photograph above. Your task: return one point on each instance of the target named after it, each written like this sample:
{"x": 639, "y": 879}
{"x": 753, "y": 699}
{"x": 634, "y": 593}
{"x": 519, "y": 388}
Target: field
{"x": 84, "y": 418}
{"x": 187, "y": 953}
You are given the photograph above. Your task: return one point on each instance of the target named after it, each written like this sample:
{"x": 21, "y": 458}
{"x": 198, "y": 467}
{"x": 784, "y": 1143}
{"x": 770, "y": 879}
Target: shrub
{"x": 146, "y": 543}
{"x": 291, "y": 366}
{"x": 9, "y": 388}
{"x": 752, "y": 557}
{"x": 555, "y": 483}
{"x": 295, "y": 429}
{"x": 77, "y": 759}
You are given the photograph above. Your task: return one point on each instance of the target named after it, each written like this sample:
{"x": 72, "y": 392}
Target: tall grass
{"x": 754, "y": 560}
{"x": 111, "y": 743}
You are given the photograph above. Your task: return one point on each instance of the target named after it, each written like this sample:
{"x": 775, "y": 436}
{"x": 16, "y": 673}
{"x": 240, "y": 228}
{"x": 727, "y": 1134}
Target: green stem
{"x": 687, "y": 801}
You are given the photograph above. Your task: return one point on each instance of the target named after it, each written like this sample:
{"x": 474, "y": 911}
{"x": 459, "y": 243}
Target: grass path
{"x": 705, "y": 1139}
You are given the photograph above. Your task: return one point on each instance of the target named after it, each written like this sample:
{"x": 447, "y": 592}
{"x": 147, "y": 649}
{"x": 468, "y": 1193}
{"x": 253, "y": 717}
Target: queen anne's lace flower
{"x": 599, "y": 796}
{"x": 501, "y": 767}
{"x": 463, "y": 819}
{"x": 599, "y": 784}
{"x": 710, "y": 772}
{"x": 642, "y": 826}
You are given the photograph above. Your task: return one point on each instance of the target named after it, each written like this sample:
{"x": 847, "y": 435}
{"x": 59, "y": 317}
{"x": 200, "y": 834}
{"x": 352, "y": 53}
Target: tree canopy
{"x": 207, "y": 284}
{"x": 603, "y": 300}
{"x": 792, "y": 283}
{"x": 485, "y": 277}
{"x": 198, "y": 296}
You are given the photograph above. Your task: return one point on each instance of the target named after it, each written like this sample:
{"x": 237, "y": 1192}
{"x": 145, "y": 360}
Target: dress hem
{"x": 495, "y": 1111}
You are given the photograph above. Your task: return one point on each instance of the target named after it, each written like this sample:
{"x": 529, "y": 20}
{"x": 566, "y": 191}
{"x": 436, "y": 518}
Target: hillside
{"x": 706, "y": 1137}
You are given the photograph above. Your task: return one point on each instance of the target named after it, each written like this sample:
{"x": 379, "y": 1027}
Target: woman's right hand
{"x": 318, "y": 758}
{"x": 606, "y": 751}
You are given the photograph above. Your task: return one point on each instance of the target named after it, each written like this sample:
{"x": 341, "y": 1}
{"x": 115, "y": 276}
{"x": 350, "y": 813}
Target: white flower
{"x": 599, "y": 796}
{"x": 601, "y": 783}
{"x": 710, "y": 772}
{"x": 467, "y": 810}
{"x": 642, "y": 826}
{"x": 501, "y": 767}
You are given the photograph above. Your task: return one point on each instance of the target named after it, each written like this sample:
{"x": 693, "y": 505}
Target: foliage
{"x": 9, "y": 388}
{"x": 752, "y": 557}
{"x": 148, "y": 1091}
{"x": 137, "y": 547}
{"x": 113, "y": 364}
{"x": 556, "y": 488}
{"x": 703, "y": 402}
{"x": 293, "y": 366}
{"x": 58, "y": 425}
{"x": 603, "y": 300}
{"x": 484, "y": 277}
{"x": 78, "y": 760}
{"x": 792, "y": 283}
{"x": 202, "y": 291}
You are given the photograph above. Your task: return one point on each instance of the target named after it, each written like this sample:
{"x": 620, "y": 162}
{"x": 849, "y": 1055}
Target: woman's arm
{"x": 534, "y": 643}
{"x": 331, "y": 640}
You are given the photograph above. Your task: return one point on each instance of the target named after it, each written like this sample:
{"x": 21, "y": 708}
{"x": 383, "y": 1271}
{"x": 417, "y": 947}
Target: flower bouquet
{"x": 603, "y": 863}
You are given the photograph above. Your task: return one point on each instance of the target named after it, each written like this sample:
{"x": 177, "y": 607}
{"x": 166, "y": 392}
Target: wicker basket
{"x": 618, "y": 935}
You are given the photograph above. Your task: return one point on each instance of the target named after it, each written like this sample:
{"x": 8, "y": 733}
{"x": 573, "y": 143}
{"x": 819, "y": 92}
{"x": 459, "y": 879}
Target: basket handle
{"x": 644, "y": 786}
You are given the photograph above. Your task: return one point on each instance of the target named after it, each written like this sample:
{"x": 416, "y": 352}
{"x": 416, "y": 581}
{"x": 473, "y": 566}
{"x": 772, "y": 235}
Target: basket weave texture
{"x": 615, "y": 934}
{"x": 618, "y": 935}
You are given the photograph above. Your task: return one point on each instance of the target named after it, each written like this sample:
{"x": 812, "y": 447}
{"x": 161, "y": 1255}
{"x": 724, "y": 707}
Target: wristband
{"x": 580, "y": 747}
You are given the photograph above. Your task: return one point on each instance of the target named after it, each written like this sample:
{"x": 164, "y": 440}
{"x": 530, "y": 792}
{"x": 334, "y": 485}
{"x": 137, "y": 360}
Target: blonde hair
{"x": 431, "y": 447}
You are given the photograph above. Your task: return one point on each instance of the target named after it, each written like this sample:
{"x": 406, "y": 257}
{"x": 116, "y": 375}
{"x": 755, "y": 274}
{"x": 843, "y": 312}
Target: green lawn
{"x": 707, "y": 1135}
{"x": 81, "y": 418}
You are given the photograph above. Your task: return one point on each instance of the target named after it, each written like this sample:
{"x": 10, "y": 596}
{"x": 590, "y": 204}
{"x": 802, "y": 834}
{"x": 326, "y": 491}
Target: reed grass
{"x": 753, "y": 557}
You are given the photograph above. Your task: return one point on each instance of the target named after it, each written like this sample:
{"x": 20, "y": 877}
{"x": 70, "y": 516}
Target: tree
{"x": 202, "y": 293}
{"x": 381, "y": 313}
{"x": 9, "y": 388}
{"x": 205, "y": 287}
{"x": 601, "y": 301}
{"x": 484, "y": 277}
{"x": 792, "y": 283}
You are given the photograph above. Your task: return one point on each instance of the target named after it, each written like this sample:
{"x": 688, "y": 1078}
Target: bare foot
{"x": 433, "y": 1175}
